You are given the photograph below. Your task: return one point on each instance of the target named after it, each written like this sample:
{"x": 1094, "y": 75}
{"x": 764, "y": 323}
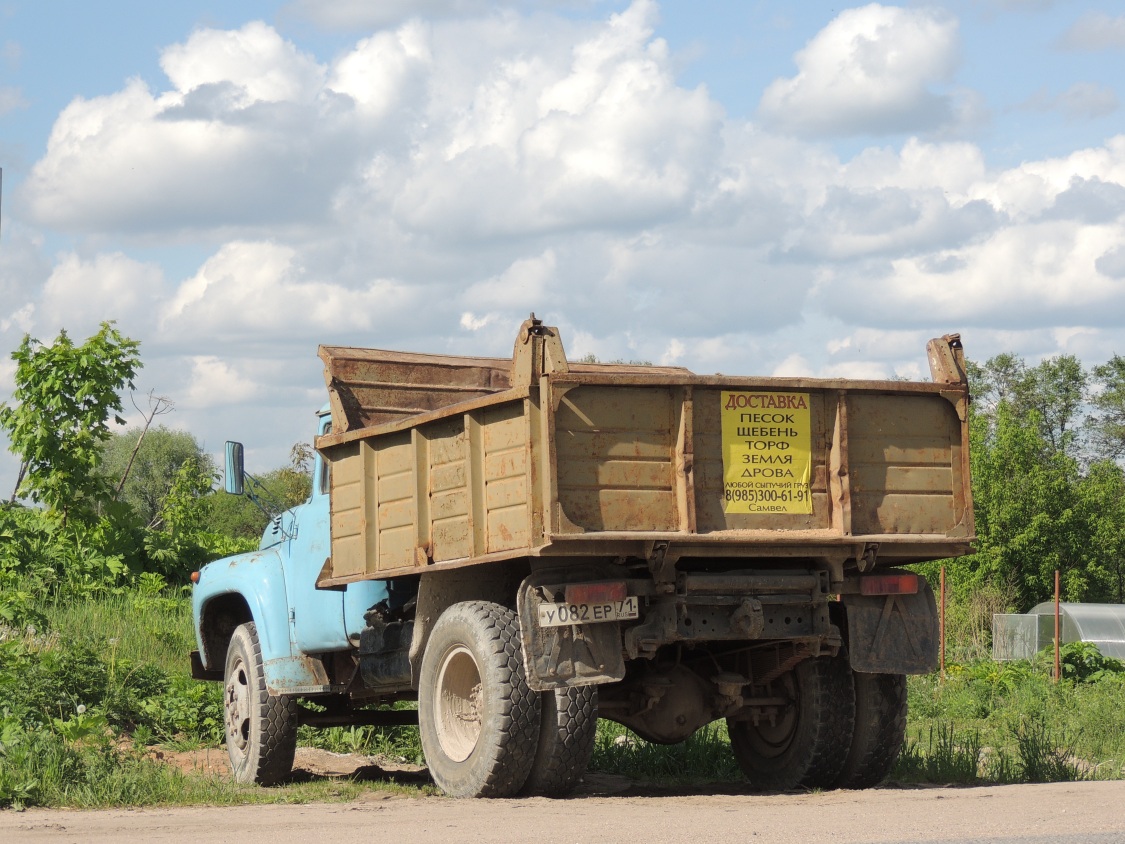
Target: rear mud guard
{"x": 893, "y": 634}
{"x": 573, "y": 655}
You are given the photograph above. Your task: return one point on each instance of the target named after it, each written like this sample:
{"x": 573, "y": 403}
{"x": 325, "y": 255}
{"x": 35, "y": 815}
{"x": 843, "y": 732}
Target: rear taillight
{"x": 595, "y": 593}
{"x": 889, "y": 584}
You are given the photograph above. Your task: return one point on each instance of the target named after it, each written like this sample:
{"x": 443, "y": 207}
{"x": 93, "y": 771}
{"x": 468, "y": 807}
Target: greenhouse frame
{"x": 1021, "y": 636}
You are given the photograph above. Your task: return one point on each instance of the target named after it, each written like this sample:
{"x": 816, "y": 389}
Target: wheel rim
{"x": 237, "y": 700}
{"x": 458, "y": 704}
{"x": 771, "y": 740}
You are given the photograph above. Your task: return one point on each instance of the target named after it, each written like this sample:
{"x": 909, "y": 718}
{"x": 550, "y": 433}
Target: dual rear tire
{"x": 484, "y": 731}
{"x": 839, "y": 729}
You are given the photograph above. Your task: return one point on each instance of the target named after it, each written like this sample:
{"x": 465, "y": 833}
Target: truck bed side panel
{"x": 601, "y": 463}
{"x": 615, "y": 452}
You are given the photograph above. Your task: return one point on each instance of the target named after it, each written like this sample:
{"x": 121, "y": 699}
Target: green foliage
{"x": 80, "y": 688}
{"x": 1043, "y": 500}
{"x": 1030, "y": 515}
{"x": 182, "y": 539}
{"x": 946, "y": 758}
{"x": 1042, "y": 757}
{"x": 41, "y": 556}
{"x": 704, "y": 756}
{"x": 1054, "y": 391}
{"x": 401, "y": 743}
{"x": 64, "y": 397}
{"x": 1026, "y": 727}
{"x": 1084, "y": 663}
{"x": 1107, "y": 421}
{"x": 236, "y": 516}
{"x": 45, "y": 767}
{"x": 161, "y": 455}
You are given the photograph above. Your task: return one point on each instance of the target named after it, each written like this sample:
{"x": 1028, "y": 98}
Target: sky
{"x": 755, "y": 187}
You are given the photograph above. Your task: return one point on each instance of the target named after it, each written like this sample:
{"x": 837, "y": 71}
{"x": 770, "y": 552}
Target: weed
{"x": 1041, "y": 756}
{"x": 946, "y": 758}
{"x": 704, "y": 756}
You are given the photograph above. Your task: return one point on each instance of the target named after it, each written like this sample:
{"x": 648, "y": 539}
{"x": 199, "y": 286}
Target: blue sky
{"x": 750, "y": 187}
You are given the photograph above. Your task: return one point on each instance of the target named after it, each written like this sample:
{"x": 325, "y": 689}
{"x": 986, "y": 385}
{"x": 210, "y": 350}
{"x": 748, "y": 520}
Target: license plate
{"x": 560, "y": 615}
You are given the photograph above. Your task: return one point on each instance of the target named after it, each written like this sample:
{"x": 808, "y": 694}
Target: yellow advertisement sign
{"x": 767, "y": 452}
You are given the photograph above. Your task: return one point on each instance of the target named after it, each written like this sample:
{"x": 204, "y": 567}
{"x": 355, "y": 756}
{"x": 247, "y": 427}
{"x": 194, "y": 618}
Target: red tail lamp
{"x": 595, "y": 593}
{"x": 903, "y": 583}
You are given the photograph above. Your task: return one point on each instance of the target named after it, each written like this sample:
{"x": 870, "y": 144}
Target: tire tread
{"x": 880, "y": 728}
{"x": 270, "y": 760}
{"x": 501, "y": 768}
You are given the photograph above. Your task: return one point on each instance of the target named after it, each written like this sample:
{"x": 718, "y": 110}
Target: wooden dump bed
{"x": 439, "y": 461}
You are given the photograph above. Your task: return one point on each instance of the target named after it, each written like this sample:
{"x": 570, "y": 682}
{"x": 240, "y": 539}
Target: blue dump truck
{"x": 524, "y": 546}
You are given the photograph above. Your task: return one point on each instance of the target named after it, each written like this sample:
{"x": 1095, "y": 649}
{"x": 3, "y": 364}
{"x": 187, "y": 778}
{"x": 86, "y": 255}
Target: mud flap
{"x": 574, "y": 655}
{"x": 893, "y": 634}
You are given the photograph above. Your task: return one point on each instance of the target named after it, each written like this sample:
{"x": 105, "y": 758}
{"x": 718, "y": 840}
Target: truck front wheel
{"x": 477, "y": 717}
{"x": 807, "y": 742}
{"x": 261, "y": 728}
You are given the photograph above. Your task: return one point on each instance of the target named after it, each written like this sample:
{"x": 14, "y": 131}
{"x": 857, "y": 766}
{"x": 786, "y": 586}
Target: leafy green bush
{"x": 1082, "y": 662}
{"x": 47, "y": 685}
{"x": 1030, "y": 728}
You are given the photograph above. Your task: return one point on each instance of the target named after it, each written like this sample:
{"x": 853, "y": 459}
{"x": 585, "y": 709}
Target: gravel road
{"x": 1072, "y": 813}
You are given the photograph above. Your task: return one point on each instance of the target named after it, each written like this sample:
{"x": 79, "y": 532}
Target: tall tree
{"x": 152, "y": 459}
{"x": 1039, "y": 505}
{"x": 64, "y": 398}
{"x": 1107, "y": 421}
{"x": 1054, "y": 390}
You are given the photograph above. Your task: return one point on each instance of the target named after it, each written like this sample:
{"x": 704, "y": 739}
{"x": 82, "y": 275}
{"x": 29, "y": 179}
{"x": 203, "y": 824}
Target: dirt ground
{"x": 309, "y": 762}
{"x": 606, "y": 809}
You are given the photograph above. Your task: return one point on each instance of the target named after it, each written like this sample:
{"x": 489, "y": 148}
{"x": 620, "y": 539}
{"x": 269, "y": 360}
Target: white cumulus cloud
{"x": 435, "y": 180}
{"x": 870, "y": 71}
{"x": 81, "y": 294}
{"x": 261, "y": 289}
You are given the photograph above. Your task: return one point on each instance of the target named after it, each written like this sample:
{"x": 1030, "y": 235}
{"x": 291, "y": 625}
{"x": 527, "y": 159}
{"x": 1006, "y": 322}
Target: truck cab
{"x": 296, "y": 628}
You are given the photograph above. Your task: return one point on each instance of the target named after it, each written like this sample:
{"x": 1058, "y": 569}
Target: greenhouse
{"x": 1021, "y": 636}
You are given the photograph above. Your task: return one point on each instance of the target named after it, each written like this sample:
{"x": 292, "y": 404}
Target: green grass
{"x": 704, "y": 757}
{"x": 82, "y": 707}
{"x": 134, "y": 626}
{"x": 1020, "y": 725}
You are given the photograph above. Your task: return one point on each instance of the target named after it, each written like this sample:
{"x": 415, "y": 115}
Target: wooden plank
{"x": 875, "y": 478}
{"x": 619, "y": 474}
{"x": 616, "y": 509}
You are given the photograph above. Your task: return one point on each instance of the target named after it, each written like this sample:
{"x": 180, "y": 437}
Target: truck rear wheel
{"x": 880, "y": 727}
{"x": 261, "y": 729}
{"x": 567, "y": 733}
{"x": 808, "y": 742}
{"x": 477, "y": 717}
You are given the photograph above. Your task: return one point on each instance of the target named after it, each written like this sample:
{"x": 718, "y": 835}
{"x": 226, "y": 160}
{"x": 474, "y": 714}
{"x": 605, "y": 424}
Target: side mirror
{"x": 233, "y": 480}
